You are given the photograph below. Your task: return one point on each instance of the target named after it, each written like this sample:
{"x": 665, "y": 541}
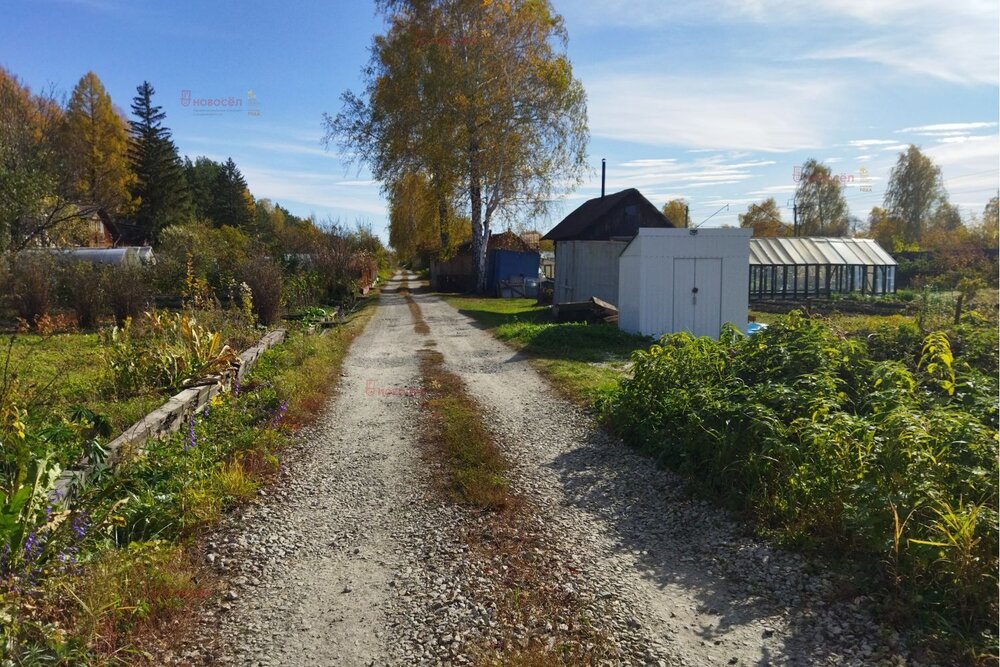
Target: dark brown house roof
{"x": 602, "y": 218}
{"x": 127, "y": 233}
{"x": 507, "y": 240}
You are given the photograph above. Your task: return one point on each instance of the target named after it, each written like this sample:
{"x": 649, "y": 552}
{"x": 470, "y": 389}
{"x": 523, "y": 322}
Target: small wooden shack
{"x": 589, "y": 240}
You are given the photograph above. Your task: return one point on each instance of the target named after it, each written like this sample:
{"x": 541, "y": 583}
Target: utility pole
{"x": 687, "y": 216}
{"x": 795, "y": 219}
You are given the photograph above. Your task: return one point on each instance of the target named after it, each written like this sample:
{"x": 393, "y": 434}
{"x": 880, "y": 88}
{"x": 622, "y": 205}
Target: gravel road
{"x": 352, "y": 559}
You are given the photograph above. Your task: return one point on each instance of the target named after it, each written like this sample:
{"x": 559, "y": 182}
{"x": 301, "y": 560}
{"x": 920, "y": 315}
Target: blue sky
{"x": 712, "y": 101}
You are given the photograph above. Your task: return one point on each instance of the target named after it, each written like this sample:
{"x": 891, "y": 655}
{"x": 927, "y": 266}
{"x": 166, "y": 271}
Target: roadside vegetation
{"x": 879, "y": 452}
{"x": 104, "y": 580}
{"x": 866, "y": 440}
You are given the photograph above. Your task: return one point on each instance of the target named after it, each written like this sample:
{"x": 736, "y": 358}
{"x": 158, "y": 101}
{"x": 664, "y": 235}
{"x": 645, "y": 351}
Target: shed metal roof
{"x": 818, "y": 250}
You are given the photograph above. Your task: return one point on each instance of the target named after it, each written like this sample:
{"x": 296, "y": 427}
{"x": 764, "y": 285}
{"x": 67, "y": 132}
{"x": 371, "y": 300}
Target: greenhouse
{"x": 817, "y": 267}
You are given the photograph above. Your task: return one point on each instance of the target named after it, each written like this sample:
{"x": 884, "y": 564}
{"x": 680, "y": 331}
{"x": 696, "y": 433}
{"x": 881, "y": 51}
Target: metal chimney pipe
{"x": 604, "y": 171}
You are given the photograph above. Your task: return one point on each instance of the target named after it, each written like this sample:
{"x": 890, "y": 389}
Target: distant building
{"x": 90, "y": 226}
{"x": 532, "y": 239}
{"x": 589, "y": 240}
{"x": 508, "y": 256}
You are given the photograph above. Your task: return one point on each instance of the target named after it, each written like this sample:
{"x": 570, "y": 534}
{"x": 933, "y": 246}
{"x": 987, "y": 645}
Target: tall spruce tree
{"x": 232, "y": 203}
{"x": 161, "y": 189}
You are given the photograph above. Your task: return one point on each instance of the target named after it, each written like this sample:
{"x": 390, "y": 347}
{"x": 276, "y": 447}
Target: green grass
{"x": 582, "y": 360}
{"x": 847, "y": 323}
{"x": 66, "y": 370}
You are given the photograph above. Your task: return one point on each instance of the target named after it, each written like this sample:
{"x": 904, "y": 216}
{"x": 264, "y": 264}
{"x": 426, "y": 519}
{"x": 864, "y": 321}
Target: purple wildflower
{"x": 80, "y": 524}
{"x": 279, "y": 414}
{"x": 236, "y": 386}
{"x": 191, "y": 440}
{"x": 31, "y": 547}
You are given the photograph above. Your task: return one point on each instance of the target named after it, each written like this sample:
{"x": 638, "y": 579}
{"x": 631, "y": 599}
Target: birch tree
{"x": 479, "y": 95}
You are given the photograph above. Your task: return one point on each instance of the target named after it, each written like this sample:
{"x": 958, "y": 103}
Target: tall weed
{"x": 832, "y": 445}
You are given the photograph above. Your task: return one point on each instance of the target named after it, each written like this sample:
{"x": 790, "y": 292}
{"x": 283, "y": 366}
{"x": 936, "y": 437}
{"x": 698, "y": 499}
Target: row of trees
{"x": 58, "y": 161}
{"x": 915, "y": 213}
{"x": 470, "y": 113}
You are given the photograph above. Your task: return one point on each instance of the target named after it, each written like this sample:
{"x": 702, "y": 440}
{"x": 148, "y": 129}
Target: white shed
{"x": 691, "y": 280}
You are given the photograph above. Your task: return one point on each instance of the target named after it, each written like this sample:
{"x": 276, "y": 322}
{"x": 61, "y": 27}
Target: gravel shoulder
{"x": 353, "y": 559}
{"x": 683, "y": 570}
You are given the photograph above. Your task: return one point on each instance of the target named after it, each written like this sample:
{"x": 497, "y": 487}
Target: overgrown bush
{"x": 33, "y": 285}
{"x": 332, "y": 260}
{"x": 128, "y": 291}
{"x": 878, "y": 452}
{"x": 83, "y": 287}
{"x": 163, "y": 352}
{"x": 203, "y": 251}
{"x": 266, "y": 284}
{"x": 302, "y": 289}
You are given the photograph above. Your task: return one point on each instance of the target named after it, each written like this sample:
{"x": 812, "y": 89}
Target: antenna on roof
{"x": 604, "y": 171}
{"x": 724, "y": 208}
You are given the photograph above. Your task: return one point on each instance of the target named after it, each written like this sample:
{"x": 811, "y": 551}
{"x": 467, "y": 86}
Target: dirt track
{"x": 357, "y": 562}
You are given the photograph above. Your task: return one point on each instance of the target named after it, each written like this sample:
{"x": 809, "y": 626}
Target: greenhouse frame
{"x": 818, "y": 267}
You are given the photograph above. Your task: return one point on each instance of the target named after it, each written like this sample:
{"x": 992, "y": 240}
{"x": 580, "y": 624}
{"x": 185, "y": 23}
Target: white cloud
{"x": 954, "y": 41}
{"x": 659, "y": 162}
{"x": 313, "y": 189}
{"x": 774, "y": 190}
{"x": 948, "y": 128}
{"x": 759, "y": 114}
{"x": 865, "y": 143}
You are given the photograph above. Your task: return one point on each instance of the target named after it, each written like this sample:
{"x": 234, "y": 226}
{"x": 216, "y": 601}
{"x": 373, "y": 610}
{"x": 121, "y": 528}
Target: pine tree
{"x": 201, "y": 176}
{"x": 161, "y": 189}
{"x": 95, "y": 146}
{"x": 232, "y": 203}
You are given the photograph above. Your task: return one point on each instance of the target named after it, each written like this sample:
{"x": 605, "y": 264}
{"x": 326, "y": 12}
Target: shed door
{"x": 684, "y": 299}
{"x": 698, "y": 295}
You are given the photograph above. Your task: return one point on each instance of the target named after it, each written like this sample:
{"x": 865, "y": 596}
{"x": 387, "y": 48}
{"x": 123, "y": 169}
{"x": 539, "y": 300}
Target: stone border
{"x": 170, "y": 416}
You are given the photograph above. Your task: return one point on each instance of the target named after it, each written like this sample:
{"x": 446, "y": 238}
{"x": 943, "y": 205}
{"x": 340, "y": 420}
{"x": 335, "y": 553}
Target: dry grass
{"x": 525, "y": 566}
{"x": 129, "y": 597}
{"x": 318, "y": 362}
{"x": 419, "y": 325}
{"x": 456, "y": 434}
